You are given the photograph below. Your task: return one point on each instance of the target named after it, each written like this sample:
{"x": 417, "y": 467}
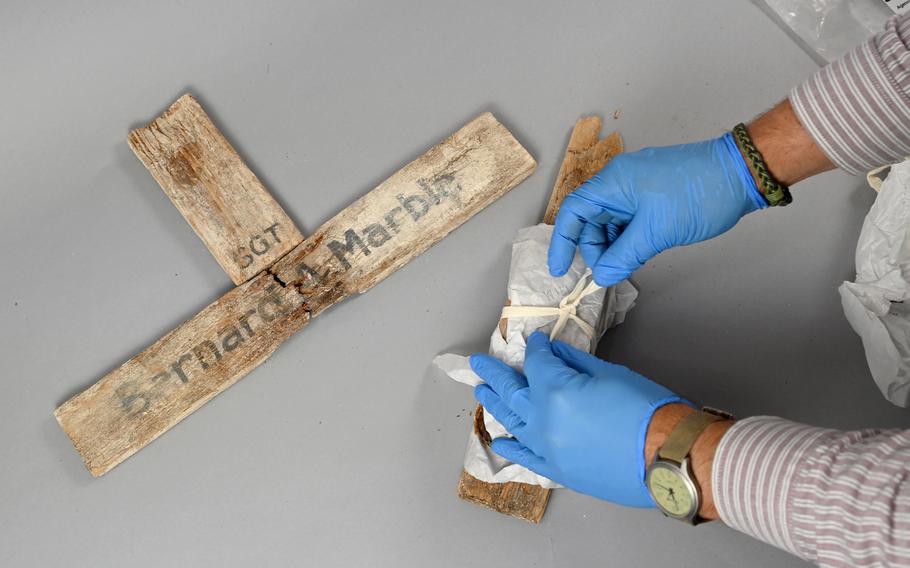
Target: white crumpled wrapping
{"x": 530, "y": 284}
{"x": 874, "y": 303}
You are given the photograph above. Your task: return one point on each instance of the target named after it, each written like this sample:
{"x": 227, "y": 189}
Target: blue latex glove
{"x": 577, "y": 419}
{"x": 645, "y": 202}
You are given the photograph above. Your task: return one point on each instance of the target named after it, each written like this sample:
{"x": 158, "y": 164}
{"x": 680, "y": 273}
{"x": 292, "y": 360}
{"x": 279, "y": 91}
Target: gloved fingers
{"x": 500, "y": 411}
{"x": 592, "y": 242}
{"x": 520, "y": 403}
{"x": 542, "y": 367}
{"x": 504, "y": 379}
{"x": 613, "y": 232}
{"x": 631, "y": 249}
{"x": 516, "y": 452}
{"x": 576, "y": 211}
{"x": 581, "y": 361}
{"x": 564, "y": 241}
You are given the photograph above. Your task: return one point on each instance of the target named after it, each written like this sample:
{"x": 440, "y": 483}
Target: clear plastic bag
{"x": 829, "y": 28}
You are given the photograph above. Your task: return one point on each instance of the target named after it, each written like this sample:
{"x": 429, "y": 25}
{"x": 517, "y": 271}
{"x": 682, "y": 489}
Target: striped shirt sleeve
{"x": 857, "y": 109}
{"x": 839, "y": 499}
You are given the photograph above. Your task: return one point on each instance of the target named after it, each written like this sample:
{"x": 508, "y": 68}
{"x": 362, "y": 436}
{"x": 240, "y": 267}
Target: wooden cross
{"x": 283, "y": 279}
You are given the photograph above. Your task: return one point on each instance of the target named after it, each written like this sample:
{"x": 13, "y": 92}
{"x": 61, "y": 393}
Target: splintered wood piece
{"x": 156, "y": 389}
{"x": 521, "y": 500}
{"x": 225, "y": 203}
{"x": 407, "y": 213}
{"x": 360, "y": 246}
{"x": 586, "y": 155}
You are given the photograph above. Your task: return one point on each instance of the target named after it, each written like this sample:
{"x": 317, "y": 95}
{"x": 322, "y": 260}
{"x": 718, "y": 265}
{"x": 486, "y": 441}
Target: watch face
{"x": 671, "y": 491}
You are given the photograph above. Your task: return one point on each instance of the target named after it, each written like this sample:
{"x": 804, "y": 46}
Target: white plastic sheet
{"x": 530, "y": 284}
{"x": 875, "y": 304}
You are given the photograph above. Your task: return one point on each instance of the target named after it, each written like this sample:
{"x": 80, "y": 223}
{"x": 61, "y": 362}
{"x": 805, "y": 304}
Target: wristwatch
{"x": 669, "y": 478}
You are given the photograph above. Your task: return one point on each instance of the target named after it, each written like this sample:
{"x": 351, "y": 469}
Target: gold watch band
{"x": 681, "y": 439}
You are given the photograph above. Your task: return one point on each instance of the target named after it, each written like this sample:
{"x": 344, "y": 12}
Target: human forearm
{"x": 787, "y": 148}
{"x": 662, "y": 423}
{"x": 857, "y": 109}
{"x": 831, "y": 497}
{"x": 834, "y": 498}
{"x": 852, "y": 113}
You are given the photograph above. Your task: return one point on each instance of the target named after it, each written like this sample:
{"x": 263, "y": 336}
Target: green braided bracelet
{"x": 773, "y": 191}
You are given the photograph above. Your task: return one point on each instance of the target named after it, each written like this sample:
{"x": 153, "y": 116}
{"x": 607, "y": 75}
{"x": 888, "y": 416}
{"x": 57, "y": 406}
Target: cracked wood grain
{"x": 586, "y": 154}
{"x": 244, "y": 228}
{"x": 360, "y": 246}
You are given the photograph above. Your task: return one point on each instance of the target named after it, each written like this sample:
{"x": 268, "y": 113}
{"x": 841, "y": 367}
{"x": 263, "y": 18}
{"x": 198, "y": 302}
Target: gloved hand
{"x": 645, "y": 202}
{"x": 577, "y": 419}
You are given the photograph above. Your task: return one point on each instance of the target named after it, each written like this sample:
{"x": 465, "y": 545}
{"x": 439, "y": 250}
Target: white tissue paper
{"x": 530, "y": 284}
{"x": 874, "y": 304}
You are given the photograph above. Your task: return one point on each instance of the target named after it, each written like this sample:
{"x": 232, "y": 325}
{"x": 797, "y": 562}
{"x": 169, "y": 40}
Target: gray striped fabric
{"x": 833, "y": 498}
{"x": 858, "y": 108}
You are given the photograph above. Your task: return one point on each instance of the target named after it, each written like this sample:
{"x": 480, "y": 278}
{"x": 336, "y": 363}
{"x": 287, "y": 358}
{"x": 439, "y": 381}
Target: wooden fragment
{"x": 228, "y": 207}
{"x": 521, "y": 500}
{"x": 586, "y": 155}
{"x": 156, "y": 389}
{"x": 360, "y": 246}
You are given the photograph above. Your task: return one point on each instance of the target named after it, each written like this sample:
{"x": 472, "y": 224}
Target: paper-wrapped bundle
{"x": 578, "y": 310}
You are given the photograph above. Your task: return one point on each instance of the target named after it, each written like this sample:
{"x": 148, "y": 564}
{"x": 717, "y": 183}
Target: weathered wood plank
{"x": 406, "y": 214}
{"x": 586, "y": 154}
{"x": 360, "y": 246}
{"x": 180, "y": 372}
{"x": 225, "y": 203}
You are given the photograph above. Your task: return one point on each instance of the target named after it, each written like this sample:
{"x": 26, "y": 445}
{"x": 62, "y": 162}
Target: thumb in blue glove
{"x": 645, "y": 202}
{"x": 576, "y": 419}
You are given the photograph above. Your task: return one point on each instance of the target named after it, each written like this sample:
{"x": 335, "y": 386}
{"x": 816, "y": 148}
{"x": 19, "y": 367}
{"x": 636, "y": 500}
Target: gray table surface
{"x": 345, "y": 447}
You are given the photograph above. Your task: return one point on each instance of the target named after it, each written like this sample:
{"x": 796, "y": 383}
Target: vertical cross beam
{"x": 585, "y": 155}
{"x": 232, "y": 212}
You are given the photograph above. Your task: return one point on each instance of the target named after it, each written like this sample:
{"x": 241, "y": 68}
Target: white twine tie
{"x": 567, "y": 309}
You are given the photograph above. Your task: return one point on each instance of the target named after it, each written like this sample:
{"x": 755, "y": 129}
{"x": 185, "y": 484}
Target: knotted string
{"x": 567, "y": 309}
